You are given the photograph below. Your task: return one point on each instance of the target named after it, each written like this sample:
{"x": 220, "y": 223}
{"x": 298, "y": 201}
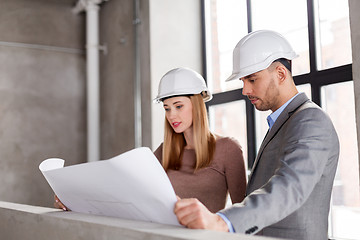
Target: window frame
{"x": 316, "y": 78}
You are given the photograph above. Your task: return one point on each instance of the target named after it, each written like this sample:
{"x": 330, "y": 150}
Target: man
{"x": 289, "y": 189}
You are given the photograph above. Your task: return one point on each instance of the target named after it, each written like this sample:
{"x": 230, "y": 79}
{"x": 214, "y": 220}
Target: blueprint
{"x": 132, "y": 185}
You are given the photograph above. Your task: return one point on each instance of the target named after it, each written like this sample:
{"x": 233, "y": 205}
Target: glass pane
{"x": 338, "y": 101}
{"x": 226, "y": 24}
{"x": 261, "y": 126}
{"x": 334, "y": 30}
{"x": 305, "y": 88}
{"x": 289, "y": 18}
{"x": 229, "y": 120}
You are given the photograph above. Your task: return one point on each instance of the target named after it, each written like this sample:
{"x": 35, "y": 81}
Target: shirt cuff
{"x": 227, "y": 221}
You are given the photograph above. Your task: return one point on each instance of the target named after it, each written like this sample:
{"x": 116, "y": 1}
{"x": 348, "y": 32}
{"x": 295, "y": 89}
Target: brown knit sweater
{"x": 210, "y": 185}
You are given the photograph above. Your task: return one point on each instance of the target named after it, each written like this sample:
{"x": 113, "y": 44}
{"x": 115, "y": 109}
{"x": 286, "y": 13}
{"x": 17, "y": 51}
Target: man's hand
{"x": 193, "y": 214}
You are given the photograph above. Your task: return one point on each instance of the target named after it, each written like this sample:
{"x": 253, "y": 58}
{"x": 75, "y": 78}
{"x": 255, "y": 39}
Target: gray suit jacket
{"x": 289, "y": 190}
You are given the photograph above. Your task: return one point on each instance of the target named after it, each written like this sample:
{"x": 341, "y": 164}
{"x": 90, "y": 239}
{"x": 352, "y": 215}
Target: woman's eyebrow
{"x": 173, "y": 103}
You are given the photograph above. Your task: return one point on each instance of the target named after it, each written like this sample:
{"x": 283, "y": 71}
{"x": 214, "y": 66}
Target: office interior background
{"x": 51, "y": 106}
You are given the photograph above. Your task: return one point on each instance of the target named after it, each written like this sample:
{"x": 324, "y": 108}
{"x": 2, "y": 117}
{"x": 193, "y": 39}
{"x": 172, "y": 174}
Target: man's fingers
{"x": 185, "y": 202}
{"x": 193, "y": 220}
{"x": 183, "y": 206}
{"x": 188, "y": 212}
{"x": 193, "y": 214}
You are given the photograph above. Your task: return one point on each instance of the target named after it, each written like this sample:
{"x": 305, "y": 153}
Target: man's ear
{"x": 282, "y": 73}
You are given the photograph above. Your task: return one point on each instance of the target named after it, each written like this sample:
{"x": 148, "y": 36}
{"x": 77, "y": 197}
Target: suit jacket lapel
{"x": 283, "y": 117}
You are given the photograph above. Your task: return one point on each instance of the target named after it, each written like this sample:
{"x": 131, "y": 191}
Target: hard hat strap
{"x": 285, "y": 62}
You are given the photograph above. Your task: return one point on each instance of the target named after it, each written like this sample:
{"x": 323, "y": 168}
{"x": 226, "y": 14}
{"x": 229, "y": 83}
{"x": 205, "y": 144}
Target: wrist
{"x": 221, "y": 224}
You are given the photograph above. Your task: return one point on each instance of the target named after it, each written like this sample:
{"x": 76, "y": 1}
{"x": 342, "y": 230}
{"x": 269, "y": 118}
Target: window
{"x": 338, "y": 102}
{"x": 225, "y": 32}
{"x": 319, "y": 31}
{"x": 334, "y": 47}
{"x": 294, "y": 28}
{"x": 223, "y": 118}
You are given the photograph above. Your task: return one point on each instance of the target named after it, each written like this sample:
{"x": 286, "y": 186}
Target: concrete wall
{"x": 117, "y": 76}
{"x": 43, "y": 82}
{"x": 42, "y": 86}
{"x": 29, "y": 222}
{"x": 354, "y": 8}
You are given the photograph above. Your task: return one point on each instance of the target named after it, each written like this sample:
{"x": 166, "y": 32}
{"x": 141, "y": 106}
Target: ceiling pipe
{"x": 91, "y": 7}
{"x": 137, "y": 82}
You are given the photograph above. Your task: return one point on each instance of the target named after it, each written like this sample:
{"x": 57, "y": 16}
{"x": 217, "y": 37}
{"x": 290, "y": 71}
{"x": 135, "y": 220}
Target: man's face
{"x": 261, "y": 88}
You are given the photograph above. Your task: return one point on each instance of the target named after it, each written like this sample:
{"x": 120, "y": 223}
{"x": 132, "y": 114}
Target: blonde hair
{"x": 204, "y": 140}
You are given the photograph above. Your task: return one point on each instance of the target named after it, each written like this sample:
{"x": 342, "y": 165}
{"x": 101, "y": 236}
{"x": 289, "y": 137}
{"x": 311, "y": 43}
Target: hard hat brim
{"x": 206, "y": 97}
{"x": 259, "y": 67}
{"x": 233, "y": 77}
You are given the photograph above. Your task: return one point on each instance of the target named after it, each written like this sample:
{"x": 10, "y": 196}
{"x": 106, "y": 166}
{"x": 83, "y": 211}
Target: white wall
{"x": 175, "y": 41}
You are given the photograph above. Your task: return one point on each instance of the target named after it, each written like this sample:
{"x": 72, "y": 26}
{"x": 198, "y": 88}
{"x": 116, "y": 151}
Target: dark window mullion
{"x": 249, "y": 15}
{"x": 321, "y": 78}
{"x": 250, "y": 112}
{"x": 327, "y": 76}
{"x": 251, "y": 133}
{"x": 315, "y": 93}
{"x": 225, "y": 97}
{"x": 203, "y": 40}
{"x": 312, "y": 35}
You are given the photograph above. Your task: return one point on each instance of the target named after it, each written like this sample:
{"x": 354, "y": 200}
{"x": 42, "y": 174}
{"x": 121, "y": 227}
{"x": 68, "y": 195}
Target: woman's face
{"x": 178, "y": 112}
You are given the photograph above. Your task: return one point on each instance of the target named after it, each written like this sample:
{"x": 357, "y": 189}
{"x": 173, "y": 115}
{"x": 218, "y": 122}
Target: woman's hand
{"x": 59, "y": 204}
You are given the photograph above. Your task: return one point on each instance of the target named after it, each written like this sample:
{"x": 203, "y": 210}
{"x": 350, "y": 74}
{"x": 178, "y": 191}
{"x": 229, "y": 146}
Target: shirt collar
{"x": 273, "y": 116}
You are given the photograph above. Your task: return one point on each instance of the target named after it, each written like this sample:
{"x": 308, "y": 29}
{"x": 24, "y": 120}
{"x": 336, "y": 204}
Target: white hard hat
{"x": 257, "y": 50}
{"x": 182, "y": 81}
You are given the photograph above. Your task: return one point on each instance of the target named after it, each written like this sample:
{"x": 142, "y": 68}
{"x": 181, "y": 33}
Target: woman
{"x": 199, "y": 164}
